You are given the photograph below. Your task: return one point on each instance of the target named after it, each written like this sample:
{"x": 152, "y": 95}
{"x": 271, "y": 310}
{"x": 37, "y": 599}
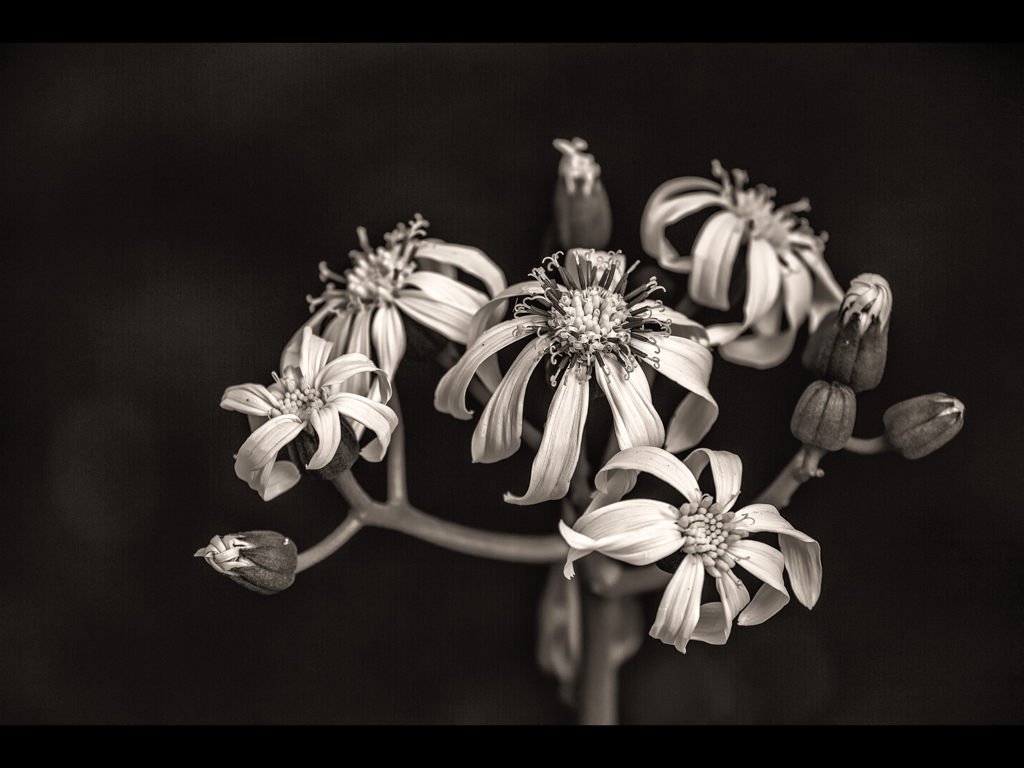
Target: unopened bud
{"x": 824, "y": 416}
{"x": 583, "y": 215}
{"x": 263, "y": 561}
{"x": 918, "y": 426}
{"x": 853, "y": 352}
{"x": 307, "y": 442}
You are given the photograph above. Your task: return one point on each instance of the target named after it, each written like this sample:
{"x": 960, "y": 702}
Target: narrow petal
{"x": 251, "y": 399}
{"x": 490, "y": 313}
{"x": 262, "y": 445}
{"x": 766, "y": 603}
{"x": 313, "y": 354}
{"x": 726, "y": 469}
{"x": 359, "y": 343}
{"x": 375, "y": 416}
{"x": 636, "y": 531}
{"x": 655, "y": 461}
{"x": 388, "y": 335}
{"x": 498, "y": 434}
{"x": 629, "y": 395}
{"x": 328, "y": 431}
{"x": 447, "y": 290}
{"x": 339, "y": 373}
{"x": 283, "y": 477}
{"x": 336, "y": 331}
{"x": 684, "y": 327}
{"x": 450, "y": 320}
{"x": 470, "y": 260}
{"x": 661, "y": 213}
{"x": 679, "y": 610}
{"x": 764, "y": 280}
{"x": 762, "y": 561}
{"x": 559, "y": 449}
{"x": 688, "y": 364}
{"x": 734, "y": 596}
{"x": 827, "y": 293}
{"x": 290, "y": 355}
{"x": 712, "y": 627}
{"x": 450, "y": 395}
{"x": 692, "y": 420}
{"x": 803, "y": 561}
{"x": 714, "y": 253}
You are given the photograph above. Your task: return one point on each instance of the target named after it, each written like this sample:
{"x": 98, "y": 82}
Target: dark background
{"x": 162, "y": 213}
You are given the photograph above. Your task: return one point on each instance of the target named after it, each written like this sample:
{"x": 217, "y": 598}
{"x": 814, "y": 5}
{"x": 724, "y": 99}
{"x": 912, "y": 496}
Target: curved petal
{"x": 714, "y": 253}
{"x": 328, "y": 431}
{"x": 692, "y": 420}
{"x": 494, "y": 310}
{"x": 272, "y": 480}
{"x": 712, "y": 627}
{"x": 448, "y": 290}
{"x": 450, "y": 320}
{"x": 679, "y": 609}
{"x": 766, "y": 603}
{"x": 764, "y": 280}
{"x": 470, "y": 260}
{"x": 497, "y": 435}
{"x": 629, "y": 395}
{"x": 684, "y": 327}
{"x": 251, "y": 399}
{"x": 802, "y": 554}
{"x": 262, "y": 445}
{"x": 734, "y": 597}
{"x": 827, "y": 293}
{"x": 336, "y": 331}
{"x": 375, "y": 416}
{"x": 340, "y": 372}
{"x": 661, "y": 213}
{"x": 388, "y": 335}
{"x": 359, "y": 343}
{"x": 559, "y": 450}
{"x": 762, "y": 561}
{"x": 726, "y": 469}
{"x": 688, "y": 364}
{"x": 450, "y": 395}
{"x": 654, "y": 461}
{"x": 290, "y": 355}
{"x": 313, "y": 354}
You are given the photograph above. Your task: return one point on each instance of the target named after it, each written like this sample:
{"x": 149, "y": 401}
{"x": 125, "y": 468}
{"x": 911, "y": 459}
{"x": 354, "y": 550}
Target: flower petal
{"x": 734, "y": 596}
{"x": 272, "y": 480}
{"x": 801, "y": 553}
{"x": 712, "y": 627}
{"x": 340, "y": 372}
{"x": 714, "y": 252}
{"x": 679, "y": 610}
{"x": 262, "y": 445}
{"x": 629, "y": 395}
{"x": 313, "y": 354}
{"x": 498, "y": 434}
{"x": 765, "y": 563}
{"x": 450, "y": 395}
{"x": 375, "y": 416}
{"x": 252, "y": 399}
{"x": 692, "y": 420}
{"x": 766, "y": 603}
{"x": 388, "y": 335}
{"x": 559, "y": 450}
{"x": 470, "y": 260}
{"x": 666, "y": 206}
{"x": 336, "y": 331}
{"x": 655, "y": 461}
{"x": 447, "y": 290}
{"x": 450, "y": 320}
{"x": 764, "y": 280}
{"x": 827, "y": 293}
{"x": 688, "y": 364}
{"x": 726, "y": 469}
{"x": 290, "y": 355}
{"x": 359, "y": 343}
{"x": 328, "y": 431}
{"x": 684, "y": 327}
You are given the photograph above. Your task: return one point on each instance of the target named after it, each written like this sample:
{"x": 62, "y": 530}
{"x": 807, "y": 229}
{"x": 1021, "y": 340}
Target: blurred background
{"x": 163, "y": 209}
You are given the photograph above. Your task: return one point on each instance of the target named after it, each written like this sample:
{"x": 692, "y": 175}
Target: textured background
{"x": 162, "y": 213}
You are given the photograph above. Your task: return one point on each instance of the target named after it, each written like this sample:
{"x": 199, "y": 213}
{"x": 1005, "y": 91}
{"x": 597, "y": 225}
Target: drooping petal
{"x": 470, "y": 260}
{"x": 272, "y": 480}
{"x": 447, "y": 290}
{"x": 726, "y": 469}
{"x": 802, "y": 554}
{"x": 450, "y": 320}
{"x": 734, "y": 596}
{"x": 252, "y": 399}
{"x": 688, "y": 364}
{"x": 629, "y": 396}
{"x": 766, "y": 603}
{"x": 359, "y": 343}
{"x": 712, "y": 627}
{"x": 559, "y": 450}
{"x": 827, "y": 294}
{"x": 328, "y": 431}
{"x": 684, "y": 327}
{"x": 691, "y": 421}
{"x": 714, "y": 253}
{"x": 336, "y": 331}
{"x": 765, "y": 563}
{"x": 679, "y": 609}
{"x": 375, "y": 416}
{"x": 666, "y": 206}
{"x": 290, "y": 355}
{"x": 450, "y": 395}
{"x": 654, "y": 461}
{"x": 262, "y": 445}
{"x": 313, "y": 354}
{"x": 340, "y": 372}
{"x": 388, "y": 336}
{"x": 498, "y": 434}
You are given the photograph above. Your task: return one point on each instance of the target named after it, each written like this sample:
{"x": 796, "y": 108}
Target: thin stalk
{"x": 397, "y": 488}
{"x": 868, "y": 445}
{"x": 329, "y": 545}
{"x": 599, "y": 683}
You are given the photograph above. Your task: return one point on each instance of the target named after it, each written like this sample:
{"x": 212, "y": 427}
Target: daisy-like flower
{"x": 701, "y": 537}
{"x": 785, "y": 269}
{"x": 364, "y": 305}
{"x": 307, "y": 397}
{"x": 587, "y": 326}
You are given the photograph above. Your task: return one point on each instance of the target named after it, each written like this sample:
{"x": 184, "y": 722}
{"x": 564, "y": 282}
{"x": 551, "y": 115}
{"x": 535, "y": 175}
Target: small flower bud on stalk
{"x": 823, "y": 421}
{"x": 263, "y": 561}
{"x": 306, "y": 444}
{"x": 583, "y": 215}
{"x": 918, "y": 426}
{"x": 854, "y": 349}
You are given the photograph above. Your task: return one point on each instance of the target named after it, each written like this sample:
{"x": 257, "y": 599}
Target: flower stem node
{"x": 824, "y": 416}
{"x": 583, "y": 215}
{"x": 918, "y": 426}
{"x": 263, "y": 561}
{"x": 855, "y": 344}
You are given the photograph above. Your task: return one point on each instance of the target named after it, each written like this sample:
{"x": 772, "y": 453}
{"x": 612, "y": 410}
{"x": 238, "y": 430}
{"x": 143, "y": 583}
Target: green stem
{"x": 598, "y": 695}
{"x": 397, "y": 487}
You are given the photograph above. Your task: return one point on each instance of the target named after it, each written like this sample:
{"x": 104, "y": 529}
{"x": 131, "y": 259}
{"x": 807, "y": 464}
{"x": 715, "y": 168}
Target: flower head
{"x": 786, "y": 273}
{"x": 587, "y": 326}
{"x": 308, "y": 397}
{"x": 361, "y": 309}
{"x": 263, "y": 561}
{"x": 702, "y": 537}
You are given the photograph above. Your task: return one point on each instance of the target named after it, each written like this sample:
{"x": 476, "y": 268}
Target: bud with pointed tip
{"x": 855, "y": 342}
{"x": 918, "y": 426}
{"x": 263, "y": 561}
{"x": 583, "y": 215}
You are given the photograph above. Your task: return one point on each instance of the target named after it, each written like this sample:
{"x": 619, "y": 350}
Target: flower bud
{"x": 853, "y": 351}
{"x": 263, "y": 561}
{"x": 583, "y": 215}
{"x": 824, "y": 416}
{"x": 918, "y": 426}
{"x": 307, "y": 442}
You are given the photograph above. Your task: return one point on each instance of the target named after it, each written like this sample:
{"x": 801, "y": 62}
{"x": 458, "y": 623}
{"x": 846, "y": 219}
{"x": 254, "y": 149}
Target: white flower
{"x": 309, "y": 397}
{"x": 365, "y": 304}
{"x": 586, "y": 327}
{"x": 710, "y": 537}
{"x": 785, "y": 268}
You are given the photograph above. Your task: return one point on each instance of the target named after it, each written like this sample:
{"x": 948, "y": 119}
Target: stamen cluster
{"x": 299, "y": 397}
{"x": 587, "y": 316}
{"x": 708, "y": 532}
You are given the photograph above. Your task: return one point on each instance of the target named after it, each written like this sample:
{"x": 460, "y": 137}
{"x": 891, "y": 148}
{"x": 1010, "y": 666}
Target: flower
{"x": 268, "y": 565}
{"x": 384, "y": 282}
{"x": 583, "y": 215}
{"x": 703, "y": 536}
{"x": 307, "y": 397}
{"x": 586, "y": 327}
{"x": 785, "y": 268}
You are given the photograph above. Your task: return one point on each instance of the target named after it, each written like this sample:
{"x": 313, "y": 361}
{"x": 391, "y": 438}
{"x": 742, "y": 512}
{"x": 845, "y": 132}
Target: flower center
{"x": 299, "y": 396}
{"x": 376, "y": 275}
{"x": 588, "y": 316}
{"x": 708, "y": 532}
